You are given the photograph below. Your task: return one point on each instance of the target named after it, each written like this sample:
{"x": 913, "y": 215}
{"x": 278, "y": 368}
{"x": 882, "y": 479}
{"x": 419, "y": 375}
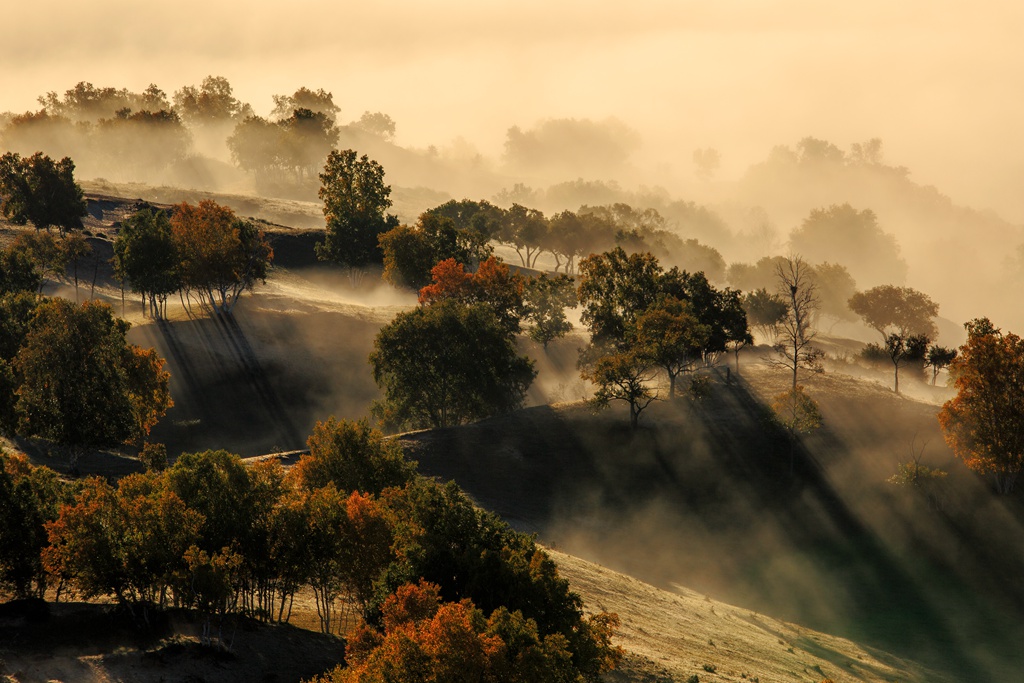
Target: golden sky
{"x": 939, "y": 81}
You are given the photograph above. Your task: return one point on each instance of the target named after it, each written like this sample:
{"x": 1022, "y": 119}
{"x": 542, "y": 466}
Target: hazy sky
{"x": 938, "y": 81}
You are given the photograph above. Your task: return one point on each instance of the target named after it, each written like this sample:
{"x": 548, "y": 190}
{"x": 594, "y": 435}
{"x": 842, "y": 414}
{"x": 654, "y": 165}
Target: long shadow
{"x": 894, "y": 613}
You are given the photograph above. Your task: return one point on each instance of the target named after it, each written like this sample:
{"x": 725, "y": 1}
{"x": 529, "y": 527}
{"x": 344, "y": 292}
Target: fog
{"x": 934, "y": 80}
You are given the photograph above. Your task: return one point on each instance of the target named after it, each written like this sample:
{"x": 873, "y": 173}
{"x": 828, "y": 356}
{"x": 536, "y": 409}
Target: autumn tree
{"x": 81, "y": 384}
{"x": 355, "y": 201}
{"x": 40, "y": 191}
{"x": 220, "y": 256}
{"x": 794, "y": 346}
{"x": 410, "y": 252}
{"x": 984, "y": 423}
{"x": 446, "y": 364}
{"x": 545, "y": 300}
{"x": 493, "y": 285}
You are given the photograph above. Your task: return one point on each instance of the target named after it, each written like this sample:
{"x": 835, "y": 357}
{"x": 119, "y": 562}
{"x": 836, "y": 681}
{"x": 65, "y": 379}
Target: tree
{"x": 81, "y": 384}
{"x": 210, "y": 103}
{"x": 353, "y": 457}
{"x": 220, "y": 256}
{"x": 545, "y": 300}
{"x": 795, "y": 344}
{"x": 620, "y": 375}
{"x": 670, "y": 337}
{"x": 309, "y": 136}
{"x": 984, "y": 422}
{"x": 888, "y": 309}
{"x": 614, "y": 288}
{"x": 377, "y": 123}
{"x": 843, "y": 234}
{"x": 707, "y": 162}
{"x": 411, "y": 252}
{"x": 937, "y": 358}
{"x": 146, "y": 256}
{"x": 902, "y": 350}
{"x": 835, "y": 287}
{"x": 18, "y": 271}
{"x": 492, "y": 285}
{"x": 525, "y": 229}
{"x": 29, "y": 498}
{"x": 798, "y": 414}
{"x": 319, "y": 101}
{"x": 446, "y": 364}
{"x": 355, "y": 201}
{"x": 765, "y": 311}
{"x": 257, "y": 146}
{"x": 40, "y": 191}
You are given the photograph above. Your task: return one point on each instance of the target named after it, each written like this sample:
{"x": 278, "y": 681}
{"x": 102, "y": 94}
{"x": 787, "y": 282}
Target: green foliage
{"x": 411, "y": 252}
{"x": 18, "y": 270}
{"x": 146, "y": 256}
{"x": 29, "y": 499}
{"x": 545, "y": 300}
{"x": 81, "y": 384}
{"x": 765, "y": 311}
{"x": 40, "y": 191}
{"x": 447, "y": 364}
{"x": 352, "y": 456}
{"x": 355, "y": 201}
{"x": 619, "y": 375}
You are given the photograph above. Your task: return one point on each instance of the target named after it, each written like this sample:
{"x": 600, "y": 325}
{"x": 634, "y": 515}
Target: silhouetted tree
{"x": 796, "y": 335}
{"x": 545, "y": 300}
{"x": 904, "y": 311}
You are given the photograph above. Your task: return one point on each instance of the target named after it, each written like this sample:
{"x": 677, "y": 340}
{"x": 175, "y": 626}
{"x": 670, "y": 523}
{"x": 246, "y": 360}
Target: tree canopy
{"x": 40, "y": 191}
{"x": 889, "y": 309}
{"x": 984, "y": 422}
{"x": 355, "y": 201}
{"x": 447, "y": 364}
{"x": 81, "y": 384}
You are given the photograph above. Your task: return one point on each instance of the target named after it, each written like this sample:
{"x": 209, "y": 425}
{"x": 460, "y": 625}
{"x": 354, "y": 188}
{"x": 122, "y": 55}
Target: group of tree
{"x": 68, "y": 374}
{"x": 351, "y": 521}
{"x": 41, "y": 191}
{"x": 643, "y": 319}
{"x": 453, "y": 359}
{"x": 203, "y": 250}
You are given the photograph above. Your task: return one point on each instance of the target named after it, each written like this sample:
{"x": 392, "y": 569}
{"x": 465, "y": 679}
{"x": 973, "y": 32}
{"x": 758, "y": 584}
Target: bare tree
{"x": 794, "y": 343}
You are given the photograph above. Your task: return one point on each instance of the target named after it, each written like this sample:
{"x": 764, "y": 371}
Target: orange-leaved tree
{"x": 221, "y": 255}
{"x": 493, "y": 284}
{"x": 984, "y": 422}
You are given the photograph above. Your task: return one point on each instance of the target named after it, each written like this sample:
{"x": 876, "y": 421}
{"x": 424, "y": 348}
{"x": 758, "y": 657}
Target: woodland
{"x": 377, "y": 414}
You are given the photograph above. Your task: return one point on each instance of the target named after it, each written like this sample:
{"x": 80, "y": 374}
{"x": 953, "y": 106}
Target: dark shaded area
{"x": 701, "y": 496}
{"x": 257, "y": 382}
